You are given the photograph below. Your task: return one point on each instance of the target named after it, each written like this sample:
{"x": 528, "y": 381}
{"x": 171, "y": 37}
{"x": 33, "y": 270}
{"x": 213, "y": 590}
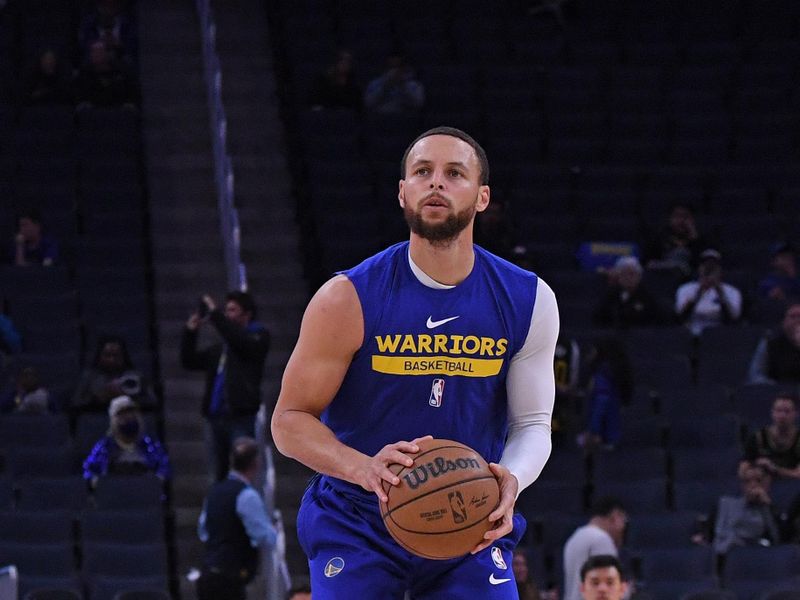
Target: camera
{"x": 202, "y": 309}
{"x": 130, "y": 383}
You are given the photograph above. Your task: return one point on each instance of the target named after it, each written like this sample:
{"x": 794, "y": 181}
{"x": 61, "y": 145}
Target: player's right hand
{"x": 375, "y": 469}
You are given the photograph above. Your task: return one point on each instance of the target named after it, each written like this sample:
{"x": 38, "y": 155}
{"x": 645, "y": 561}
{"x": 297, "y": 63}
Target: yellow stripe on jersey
{"x": 436, "y": 365}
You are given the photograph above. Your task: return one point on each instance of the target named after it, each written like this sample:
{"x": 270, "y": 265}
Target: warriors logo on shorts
{"x": 334, "y": 566}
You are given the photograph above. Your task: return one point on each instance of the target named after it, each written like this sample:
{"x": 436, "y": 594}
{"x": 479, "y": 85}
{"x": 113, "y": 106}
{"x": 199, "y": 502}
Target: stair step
{"x": 190, "y": 489}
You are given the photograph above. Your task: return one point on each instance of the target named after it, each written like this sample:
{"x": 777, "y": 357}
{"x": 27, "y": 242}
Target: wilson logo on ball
{"x": 419, "y": 475}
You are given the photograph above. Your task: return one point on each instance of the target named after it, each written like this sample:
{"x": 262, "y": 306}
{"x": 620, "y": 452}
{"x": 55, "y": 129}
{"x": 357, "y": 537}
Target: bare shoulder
{"x": 335, "y": 312}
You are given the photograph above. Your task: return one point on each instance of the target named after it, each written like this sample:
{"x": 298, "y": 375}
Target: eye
{"x": 422, "y": 171}
{"x": 454, "y": 173}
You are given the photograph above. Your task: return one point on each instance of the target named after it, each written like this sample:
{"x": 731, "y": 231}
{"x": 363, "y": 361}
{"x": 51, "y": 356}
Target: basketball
{"x": 441, "y": 507}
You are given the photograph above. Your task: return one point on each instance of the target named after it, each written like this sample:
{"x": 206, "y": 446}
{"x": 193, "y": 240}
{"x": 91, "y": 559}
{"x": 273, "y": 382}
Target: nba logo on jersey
{"x": 437, "y": 389}
{"x": 497, "y": 558}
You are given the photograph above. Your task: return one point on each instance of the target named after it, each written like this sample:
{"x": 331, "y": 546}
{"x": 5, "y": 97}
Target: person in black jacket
{"x": 234, "y": 369}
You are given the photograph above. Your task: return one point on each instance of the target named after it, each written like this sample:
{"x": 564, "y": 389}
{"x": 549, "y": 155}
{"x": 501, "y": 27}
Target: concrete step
{"x": 172, "y": 254}
{"x": 192, "y": 278}
{"x": 190, "y": 490}
{"x": 175, "y": 140}
{"x": 183, "y": 425}
{"x": 189, "y": 458}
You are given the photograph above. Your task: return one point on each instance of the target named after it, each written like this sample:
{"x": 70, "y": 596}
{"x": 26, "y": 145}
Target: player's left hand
{"x": 502, "y": 516}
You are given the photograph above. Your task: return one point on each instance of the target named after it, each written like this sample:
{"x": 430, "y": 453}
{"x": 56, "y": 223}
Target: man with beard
{"x": 434, "y": 336}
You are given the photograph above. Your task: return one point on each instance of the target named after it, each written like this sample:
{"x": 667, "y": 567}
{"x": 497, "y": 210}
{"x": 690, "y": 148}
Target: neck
{"x": 445, "y": 262}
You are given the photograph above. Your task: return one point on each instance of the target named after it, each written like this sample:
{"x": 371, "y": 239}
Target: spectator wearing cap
{"x": 782, "y": 283}
{"x": 627, "y": 302}
{"x": 127, "y": 449}
{"x": 777, "y": 357}
{"x": 708, "y": 301}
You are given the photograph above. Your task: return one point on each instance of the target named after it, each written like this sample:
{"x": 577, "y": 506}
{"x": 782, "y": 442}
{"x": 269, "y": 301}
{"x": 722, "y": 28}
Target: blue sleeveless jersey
{"x": 433, "y": 361}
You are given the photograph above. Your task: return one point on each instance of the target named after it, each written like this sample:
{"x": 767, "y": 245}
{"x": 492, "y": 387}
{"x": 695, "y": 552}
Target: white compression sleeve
{"x": 531, "y": 393}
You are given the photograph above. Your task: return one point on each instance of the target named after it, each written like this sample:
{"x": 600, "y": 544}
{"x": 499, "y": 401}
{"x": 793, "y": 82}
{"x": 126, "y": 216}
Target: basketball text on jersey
{"x": 424, "y": 354}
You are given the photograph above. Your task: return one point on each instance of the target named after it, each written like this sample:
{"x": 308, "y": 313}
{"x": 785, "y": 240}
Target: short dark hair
{"x": 109, "y": 338}
{"x": 786, "y": 395}
{"x": 605, "y": 505}
{"x": 244, "y": 453}
{"x": 483, "y": 161}
{"x": 602, "y": 561}
{"x": 243, "y": 299}
{"x": 31, "y": 213}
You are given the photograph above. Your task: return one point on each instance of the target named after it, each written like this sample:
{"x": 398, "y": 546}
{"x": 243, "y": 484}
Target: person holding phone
{"x": 234, "y": 368}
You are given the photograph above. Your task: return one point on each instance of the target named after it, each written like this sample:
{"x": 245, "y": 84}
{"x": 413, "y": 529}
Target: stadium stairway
{"x": 187, "y": 250}
{"x": 270, "y": 239}
{"x": 187, "y": 247}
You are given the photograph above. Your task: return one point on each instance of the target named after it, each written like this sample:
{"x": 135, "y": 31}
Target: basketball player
{"x": 602, "y": 579}
{"x": 434, "y": 336}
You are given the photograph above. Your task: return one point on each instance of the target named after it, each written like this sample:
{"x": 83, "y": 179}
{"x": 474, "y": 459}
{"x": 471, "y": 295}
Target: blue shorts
{"x": 351, "y": 555}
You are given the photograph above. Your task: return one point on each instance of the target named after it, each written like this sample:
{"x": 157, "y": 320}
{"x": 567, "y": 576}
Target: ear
{"x": 401, "y": 193}
{"x": 484, "y": 194}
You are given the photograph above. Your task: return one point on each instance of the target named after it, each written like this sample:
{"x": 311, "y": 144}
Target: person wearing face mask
{"x": 127, "y": 449}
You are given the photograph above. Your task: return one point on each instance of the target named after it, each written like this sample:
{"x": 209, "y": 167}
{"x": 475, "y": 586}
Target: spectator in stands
{"x": 32, "y": 246}
{"x": 603, "y": 534}
{"x": 28, "y": 396}
{"x": 566, "y": 364}
{"x": 708, "y": 301}
{"x": 496, "y": 233}
{"x": 299, "y": 592}
{"x": 782, "y": 283}
{"x": 610, "y": 387}
{"x": 109, "y": 22}
{"x": 679, "y": 244}
{"x": 10, "y": 338}
{"x": 776, "y": 447}
{"x": 627, "y": 302}
{"x": 234, "y": 369}
{"x": 526, "y": 586}
{"x": 396, "y": 90}
{"x": 127, "y": 449}
{"x": 602, "y": 578}
{"x": 49, "y": 80}
{"x": 336, "y": 86}
{"x": 777, "y": 358}
{"x": 103, "y": 81}
{"x": 748, "y": 519}
{"x": 234, "y": 526}
{"x": 111, "y": 374}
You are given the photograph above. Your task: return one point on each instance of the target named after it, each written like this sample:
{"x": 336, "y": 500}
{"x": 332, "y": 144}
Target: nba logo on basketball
{"x": 437, "y": 389}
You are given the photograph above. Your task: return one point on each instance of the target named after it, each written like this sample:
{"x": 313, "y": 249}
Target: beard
{"x": 439, "y": 233}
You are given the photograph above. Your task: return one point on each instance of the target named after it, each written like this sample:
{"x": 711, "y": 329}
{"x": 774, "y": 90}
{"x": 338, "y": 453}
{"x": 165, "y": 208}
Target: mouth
{"x": 436, "y": 202}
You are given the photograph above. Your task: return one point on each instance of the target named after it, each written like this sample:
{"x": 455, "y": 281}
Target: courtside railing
{"x": 223, "y": 166}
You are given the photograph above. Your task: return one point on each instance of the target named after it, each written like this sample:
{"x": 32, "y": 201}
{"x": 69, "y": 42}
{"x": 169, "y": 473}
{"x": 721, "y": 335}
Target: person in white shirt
{"x": 603, "y": 534}
{"x": 708, "y": 301}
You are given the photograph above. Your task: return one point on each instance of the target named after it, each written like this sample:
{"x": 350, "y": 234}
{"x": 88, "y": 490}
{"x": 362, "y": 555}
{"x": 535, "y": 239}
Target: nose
{"x": 436, "y": 181}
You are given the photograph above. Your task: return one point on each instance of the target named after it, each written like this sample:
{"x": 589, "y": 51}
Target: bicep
{"x": 331, "y": 332}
